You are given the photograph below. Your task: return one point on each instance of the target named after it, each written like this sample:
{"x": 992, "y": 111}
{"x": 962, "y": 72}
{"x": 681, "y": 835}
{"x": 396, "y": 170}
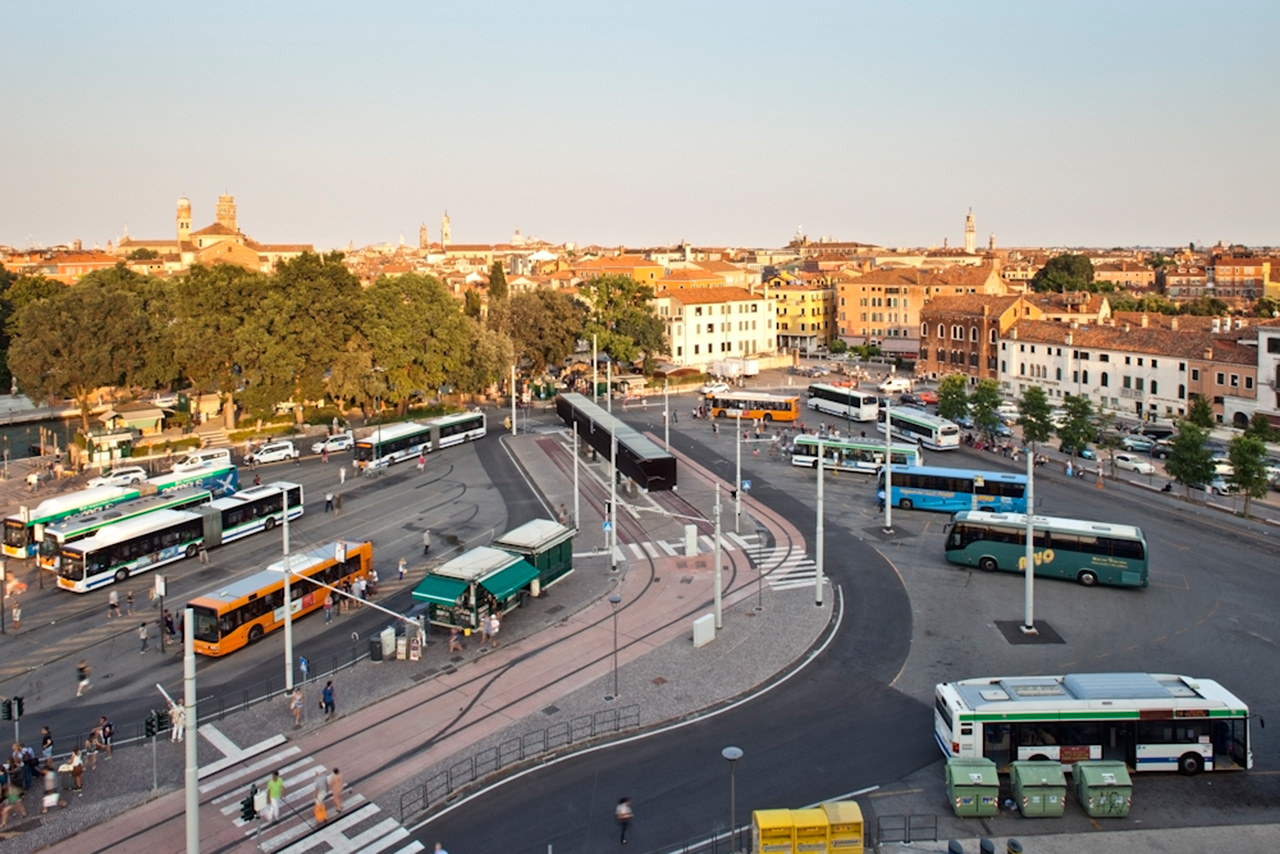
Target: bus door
{"x": 1118, "y": 743}
{"x": 997, "y": 744}
{"x": 1230, "y": 749}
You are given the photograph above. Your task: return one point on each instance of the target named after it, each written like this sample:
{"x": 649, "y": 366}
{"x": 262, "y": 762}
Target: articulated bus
{"x": 240, "y": 612}
{"x": 752, "y": 405}
{"x": 115, "y": 552}
{"x": 862, "y": 455}
{"x": 24, "y": 530}
{"x": 916, "y": 425}
{"x": 1149, "y": 721}
{"x": 220, "y": 480}
{"x": 398, "y": 442}
{"x": 59, "y": 534}
{"x": 1088, "y": 552}
{"x": 844, "y": 402}
{"x": 949, "y": 490}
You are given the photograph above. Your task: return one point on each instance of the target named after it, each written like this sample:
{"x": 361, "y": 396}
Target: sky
{"x": 612, "y": 122}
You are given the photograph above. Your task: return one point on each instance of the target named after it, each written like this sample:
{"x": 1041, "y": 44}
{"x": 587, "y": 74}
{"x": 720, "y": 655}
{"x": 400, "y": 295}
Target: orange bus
{"x": 752, "y": 405}
{"x": 239, "y": 613}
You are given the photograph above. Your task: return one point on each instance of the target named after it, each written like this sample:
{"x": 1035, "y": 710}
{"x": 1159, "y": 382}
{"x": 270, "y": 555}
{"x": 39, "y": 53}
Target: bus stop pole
{"x": 612, "y": 539}
{"x": 1029, "y": 621}
{"x": 595, "y": 372}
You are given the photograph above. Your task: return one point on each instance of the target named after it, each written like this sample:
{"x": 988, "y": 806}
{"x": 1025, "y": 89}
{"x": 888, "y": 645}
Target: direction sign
{"x": 746, "y": 485}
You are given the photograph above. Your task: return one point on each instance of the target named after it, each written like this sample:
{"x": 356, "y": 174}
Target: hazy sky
{"x": 727, "y": 123}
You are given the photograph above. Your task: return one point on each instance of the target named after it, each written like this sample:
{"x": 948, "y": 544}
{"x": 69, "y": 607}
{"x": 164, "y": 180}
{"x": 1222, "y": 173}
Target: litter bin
{"x": 1039, "y": 787}
{"x": 375, "y": 649}
{"x": 973, "y": 786}
{"x": 389, "y": 643}
{"x": 1104, "y": 789}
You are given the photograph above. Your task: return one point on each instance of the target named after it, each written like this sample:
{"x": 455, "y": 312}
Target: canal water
{"x": 20, "y": 439}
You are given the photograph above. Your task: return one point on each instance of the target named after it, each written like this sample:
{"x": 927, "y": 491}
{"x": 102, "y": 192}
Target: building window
{"x": 1128, "y": 381}
{"x": 973, "y": 334}
{"x": 992, "y": 337}
{"x": 1182, "y": 392}
{"x": 1127, "y": 361}
{"x": 1155, "y": 363}
{"x": 1221, "y": 378}
{"x": 1155, "y": 387}
{"x": 1104, "y": 357}
{"x": 924, "y": 330}
{"x": 1059, "y": 374}
{"x": 1106, "y": 380}
{"x": 1195, "y": 375}
{"x": 1137, "y": 384}
{"x": 1084, "y": 377}
{"x": 942, "y": 332}
{"x": 1248, "y": 382}
{"x": 1235, "y": 380}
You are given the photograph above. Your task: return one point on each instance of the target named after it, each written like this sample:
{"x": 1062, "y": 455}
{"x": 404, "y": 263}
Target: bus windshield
{"x": 204, "y": 624}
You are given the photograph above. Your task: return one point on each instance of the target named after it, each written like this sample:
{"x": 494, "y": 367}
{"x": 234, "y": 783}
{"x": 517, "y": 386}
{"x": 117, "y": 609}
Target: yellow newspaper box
{"x": 772, "y": 832}
{"x": 845, "y": 820}
{"x": 812, "y": 831}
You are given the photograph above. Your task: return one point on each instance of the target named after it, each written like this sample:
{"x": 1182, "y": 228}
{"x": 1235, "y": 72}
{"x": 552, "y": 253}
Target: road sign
{"x": 608, "y": 526}
{"x": 746, "y": 485}
{"x": 304, "y": 665}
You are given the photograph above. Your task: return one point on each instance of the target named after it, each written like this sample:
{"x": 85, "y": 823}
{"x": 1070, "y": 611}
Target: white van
{"x": 204, "y": 457}
{"x": 892, "y": 385}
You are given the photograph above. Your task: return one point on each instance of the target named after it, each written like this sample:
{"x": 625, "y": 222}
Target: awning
{"x": 505, "y": 582}
{"x": 440, "y": 590}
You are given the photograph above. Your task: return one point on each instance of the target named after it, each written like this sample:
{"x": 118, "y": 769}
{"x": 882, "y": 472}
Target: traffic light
{"x": 6, "y": 709}
{"x": 163, "y": 722}
{"x": 19, "y": 708}
{"x": 149, "y": 725}
{"x": 247, "y": 810}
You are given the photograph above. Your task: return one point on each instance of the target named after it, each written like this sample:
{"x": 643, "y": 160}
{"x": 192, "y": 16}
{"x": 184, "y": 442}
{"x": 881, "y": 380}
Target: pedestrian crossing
{"x": 362, "y": 826}
{"x": 784, "y": 567}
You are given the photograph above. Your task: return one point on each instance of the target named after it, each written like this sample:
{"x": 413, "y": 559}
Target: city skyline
{"x": 643, "y": 124}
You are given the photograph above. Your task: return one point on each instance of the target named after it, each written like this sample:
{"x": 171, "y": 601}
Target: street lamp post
{"x": 732, "y": 754}
{"x": 614, "y": 600}
{"x": 737, "y": 491}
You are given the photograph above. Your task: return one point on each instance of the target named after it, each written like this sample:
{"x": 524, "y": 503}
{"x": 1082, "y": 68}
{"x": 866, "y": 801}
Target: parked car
{"x": 123, "y": 476}
{"x": 1162, "y": 450}
{"x": 929, "y": 397}
{"x": 965, "y": 421}
{"x": 1003, "y": 431}
{"x": 1138, "y": 444}
{"x": 272, "y": 452}
{"x": 333, "y": 444}
{"x": 204, "y": 458}
{"x": 715, "y": 388}
{"x": 1134, "y": 463}
{"x": 1084, "y": 453}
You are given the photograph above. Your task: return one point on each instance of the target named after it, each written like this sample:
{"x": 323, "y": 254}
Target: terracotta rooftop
{"x": 216, "y": 228}
{"x": 974, "y": 304}
{"x": 701, "y": 296}
{"x": 1155, "y": 341}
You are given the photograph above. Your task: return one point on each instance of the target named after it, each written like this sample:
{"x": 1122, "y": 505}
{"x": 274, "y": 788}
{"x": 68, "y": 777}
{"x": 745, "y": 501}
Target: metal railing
{"x": 906, "y": 828}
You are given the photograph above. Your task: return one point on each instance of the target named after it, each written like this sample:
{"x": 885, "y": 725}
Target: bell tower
{"x": 184, "y": 219}
{"x": 422, "y": 237}
{"x": 969, "y": 235}
{"x": 227, "y": 212}
{"x": 446, "y": 233}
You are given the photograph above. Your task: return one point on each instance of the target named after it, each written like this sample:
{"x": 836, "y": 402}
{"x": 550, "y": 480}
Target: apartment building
{"x": 1231, "y": 277}
{"x": 1182, "y": 281}
{"x": 806, "y": 312}
{"x": 707, "y": 324}
{"x": 961, "y": 334}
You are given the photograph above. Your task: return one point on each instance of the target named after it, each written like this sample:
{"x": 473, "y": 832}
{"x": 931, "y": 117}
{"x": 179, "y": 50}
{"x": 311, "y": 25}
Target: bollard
{"x": 1014, "y": 847}
{"x": 986, "y": 846}
{"x": 954, "y": 847}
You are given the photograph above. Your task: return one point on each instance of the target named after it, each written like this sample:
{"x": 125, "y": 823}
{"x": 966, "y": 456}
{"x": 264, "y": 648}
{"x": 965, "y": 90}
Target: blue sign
{"x": 746, "y": 485}
{"x": 608, "y": 526}
{"x": 304, "y": 665}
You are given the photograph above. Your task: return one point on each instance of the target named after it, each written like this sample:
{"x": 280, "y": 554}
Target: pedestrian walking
{"x": 82, "y": 677}
{"x": 328, "y": 502}
{"x": 295, "y": 706}
{"x": 178, "y": 715}
{"x": 257, "y": 480}
{"x": 342, "y": 474}
{"x": 337, "y": 504}
{"x": 400, "y": 568}
{"x": 51, "y": 796}
{"x": 204, "y": 553}
{"x": 318, "y": 809}
{"x": 12, "y": 803}
{"x": 275, "y": 794}
{"x": 169, "y": 628}
{"x": 33, "y": 481}
{"x": 422, "y": 462}
{"x": 484, "y": 631}
{"x": 128, "y": 604}
{"x": 440, "y": 848}
{"x": 324, "y": 455}
{"x": 494, "y": 625}
{"x": 426, "y": 541}
{"x": 15, "y": 613}
{"x": 327, "y": 700}
{"x": 91, "y": 749}
{"x": 142, "y": 636}
{"x": 46, "y": 743}
{"x": 113, "y": 604}
{"x": 335, "y": 788}
{"x": 76, "y": 761}
{"x": 328, "y": 607}
{"x": 624, "y": 815}
{"x": 107, "y": 733}
{"x": 455, "y": 644}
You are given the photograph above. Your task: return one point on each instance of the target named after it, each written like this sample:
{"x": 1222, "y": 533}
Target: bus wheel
{"x": 1039, "y": 757}
{"x": 121, "y": 575}
{"x": 255, "y": 634}
{"x": 988, "y": 564}
{"x": 768, "y": 416}
{"x": 1190, "y": 764}
{"x": 1087, "y": 578}
{"x": 270, "y": 523}
{"x": 906, "y": 504}
{"x": 192, "y": 550}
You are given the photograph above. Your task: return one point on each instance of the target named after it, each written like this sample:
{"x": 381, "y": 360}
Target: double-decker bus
{"x": 1088, "y": 552}
{"x": 115, "y": 552}
{"x": 862, "y": 455}
{"x": 752, "y": 405}
{"x": 948, "y": 490}
{"x": 397, "y": 442}
{"x": 236, "y": 614}
{"x": 59, "y": 534}
{"x": 916, "y": 425}
{"x": 844, "y": 402}
{"x": 1149, "y": 721}
{"x": 24, "y": 530}
{"x": 220, "y": 480}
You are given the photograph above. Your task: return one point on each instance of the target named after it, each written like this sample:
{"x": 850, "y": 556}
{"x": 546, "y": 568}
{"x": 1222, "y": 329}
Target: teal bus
{"x": 861, "y": 455}
{"x": 24, "y": 530}
{"x": 948, "y": 490}
{"x": 1088, "y": 552}
{"x": 220, "y": 480}
{"x": 59, "y": 534}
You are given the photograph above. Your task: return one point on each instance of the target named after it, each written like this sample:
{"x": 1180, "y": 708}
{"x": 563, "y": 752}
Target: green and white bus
{"x": 59, "y": 534}
{"x": 861, "y": 455}
{"x": 1149, "y": 721}
{"x": 1088, "y": 552}
{"x": 406, "y": 440}
{"x": 916, "y": 425}
{"x": 24, "y": 530}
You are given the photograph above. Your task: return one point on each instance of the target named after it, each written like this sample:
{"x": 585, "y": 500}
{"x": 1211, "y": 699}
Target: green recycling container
{"x": 973, "y": 786}
{"x": 1039, "y": 787}
{"x": 1104, "y": 789}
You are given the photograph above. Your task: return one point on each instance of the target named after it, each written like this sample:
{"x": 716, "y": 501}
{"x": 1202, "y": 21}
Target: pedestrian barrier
{"x": 512, "y": 751}
{"x": 906, "y": 828}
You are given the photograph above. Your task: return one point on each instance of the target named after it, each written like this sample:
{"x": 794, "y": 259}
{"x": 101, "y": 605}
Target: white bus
{"x": 24, "y": 530}
{"x": 844, "y": 402}
{"x": 115, "y": 552}
{"x": 863, "y": 455}
{"x": 397, "y": 442}
{"x": 59, "y": 534}
{"x": 915, "y": 425}
{"x": 1149, "y": 721}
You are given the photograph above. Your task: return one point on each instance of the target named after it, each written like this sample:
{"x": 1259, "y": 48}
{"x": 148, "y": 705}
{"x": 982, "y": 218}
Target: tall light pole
{"x": 716, "y": 555}
{"x": 733, "y": 754}
{"x": 608, "y": 392}
{"x": 737, "y": 492}
{"x": 595, "y": 372}
{"x": 614, "y": 600}
{"x": 888, "y": 467}
{"x": 666, "y": 415}
{"x": 613, "y": 501}
{"x": 288, "y": 603}
{"x": 820, "y": 533}
{"x": 1029, "y": 584}
{"x": 576, "y": 496}
{"x": 513, "y": 400}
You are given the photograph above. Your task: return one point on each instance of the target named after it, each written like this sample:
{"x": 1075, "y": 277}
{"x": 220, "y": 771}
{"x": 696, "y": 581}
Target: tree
{"x": 1267, "y": 307}
{"x": 471, "y": 304}
{"x": 1248, "y": 456}
{"x": 1064, "y": 273}
{"x": 984, "y": 404}
{"x": 1076, "y": 429}
{"x": 545, "y": 327}
{"x": 1260, "y": 426}
{"x": 1200, "y": 413}
{"x": 1190, "y": 461}
{"x": 623, "y": 320}
{"x": 838, "y": 346}
{"x": 143, "y": 255}
{"x": 498, "y": 289}
{"x": 1035, "y": 416}
{"x": 353, "y": 379}
{"x": 953, "y": 397}
{"x": 1205, "y": 306}
{"x": 487, "y": 359}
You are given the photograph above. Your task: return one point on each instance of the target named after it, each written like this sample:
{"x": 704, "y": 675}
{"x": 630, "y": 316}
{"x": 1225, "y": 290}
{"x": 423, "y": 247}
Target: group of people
{"x": 323, "y": 789}
{"x": 19, "y": 775}
{"x": 490, "y": 625}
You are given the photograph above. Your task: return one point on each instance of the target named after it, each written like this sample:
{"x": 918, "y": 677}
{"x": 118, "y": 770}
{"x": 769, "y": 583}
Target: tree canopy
{"x": 953, "y": 397}
{"x": 1034, "y": 416}
{"x": 1076, "y": 428}
{"x": 622, "y": 318}
{"x": 1248, "y": 456}
{"x": 1190, "y": 461}
{"x": 1200, "y": 412}
{"x": 983, "y": 405}
{"x": 1064, "y": 273}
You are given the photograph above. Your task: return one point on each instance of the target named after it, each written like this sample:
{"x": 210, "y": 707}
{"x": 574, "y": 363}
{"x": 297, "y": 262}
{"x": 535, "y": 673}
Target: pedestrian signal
{"x": 163, "y": 721}
{"x": 19, "y": 708}
{"x": 6, "y": 709}
{"x": 149, "y": 725}
{"x": 247, "y": 810}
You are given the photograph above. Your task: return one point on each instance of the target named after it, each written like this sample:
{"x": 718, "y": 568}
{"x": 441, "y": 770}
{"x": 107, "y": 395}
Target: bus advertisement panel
{"x": 238, "y": 613}
{"x": 948, "y": 490}
{"x": 219, "y": 479}
{"x": 24, "y": 530}
{"x": 861, "y": 455}
{"x": 844, "y": 402}
{"x": 1149, "y": 721}
{"x": 916, "y": 425}
{"x": 753, "y": 405}
{"x": 1088, "y": 552}
{"x": 59, "y": 534}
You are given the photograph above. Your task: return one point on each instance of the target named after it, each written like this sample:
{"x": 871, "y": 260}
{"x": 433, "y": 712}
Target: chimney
{"x": 1126, "y": 326}
{"x": 1075, "y": 324}
{"x": 1070, "y": 337}
{"x": 1208, "y": 354}
{"x": 1013, "y": 333}
{"x": 1173, "y": 323}
{"x": 1144, "y": 321}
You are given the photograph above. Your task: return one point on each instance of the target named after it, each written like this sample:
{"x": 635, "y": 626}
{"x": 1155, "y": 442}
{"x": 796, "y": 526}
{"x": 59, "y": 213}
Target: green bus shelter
{"x": 545, "y": 544}
{"x": 474, "y": 585}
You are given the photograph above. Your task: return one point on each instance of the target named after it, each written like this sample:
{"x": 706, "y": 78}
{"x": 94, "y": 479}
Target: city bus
{"x": 238, "y": 613}
{"x": 220, "y": 480}
{"x": 24, "y": 530}
{"x": 843, "y": 402}
{"x": 916, "y": 425}
{"x": 753, "y": 405}
{"x": 59, "y": 534}
{"x": 406, "y": 440}
{"x": 948, "y": 490}
{"x": 862, "y": 455}
{"x": 1149, "y": 721}
{"x": 117, "y": 551}
{"x": 1088, "y": 552}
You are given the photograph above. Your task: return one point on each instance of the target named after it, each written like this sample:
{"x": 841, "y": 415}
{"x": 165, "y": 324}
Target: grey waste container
{"x": 375, "y": 649}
